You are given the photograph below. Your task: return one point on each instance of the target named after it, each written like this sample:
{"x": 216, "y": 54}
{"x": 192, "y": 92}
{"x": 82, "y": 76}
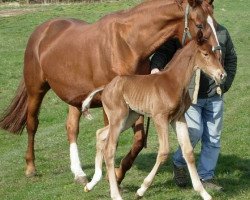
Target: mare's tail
{"x": 86, "y": 103}
{"x": 15, "y": 116}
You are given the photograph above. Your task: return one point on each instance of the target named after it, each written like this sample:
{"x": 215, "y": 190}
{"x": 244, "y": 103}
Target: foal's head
{"x": 200, "y": 18}
{"x": 207, "y": 60}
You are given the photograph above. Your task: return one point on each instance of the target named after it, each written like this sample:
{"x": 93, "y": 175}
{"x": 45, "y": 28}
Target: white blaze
{"x": 211, "y": 23}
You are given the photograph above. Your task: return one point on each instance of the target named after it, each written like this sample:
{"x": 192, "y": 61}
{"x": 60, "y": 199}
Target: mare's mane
{"x": 142, "y": 8}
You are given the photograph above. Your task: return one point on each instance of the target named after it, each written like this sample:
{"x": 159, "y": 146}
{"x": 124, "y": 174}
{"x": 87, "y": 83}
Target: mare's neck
{"x": 150, "y": 24}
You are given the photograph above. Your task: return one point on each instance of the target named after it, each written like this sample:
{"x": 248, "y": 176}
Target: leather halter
{"x": 187, "y": 33}
{"x": 218, "y": 47}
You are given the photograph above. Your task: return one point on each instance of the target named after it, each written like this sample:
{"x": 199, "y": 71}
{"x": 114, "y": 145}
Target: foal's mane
{"x": 183, "y": 55}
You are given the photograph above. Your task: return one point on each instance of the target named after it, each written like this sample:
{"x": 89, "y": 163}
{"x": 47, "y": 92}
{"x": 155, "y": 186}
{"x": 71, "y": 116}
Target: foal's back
{"x": 163, "y": 92}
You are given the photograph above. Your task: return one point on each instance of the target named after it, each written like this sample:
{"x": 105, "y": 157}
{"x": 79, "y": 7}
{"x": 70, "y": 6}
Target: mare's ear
{"x": 194, "y": 3}
{"x": 199, "y": 37}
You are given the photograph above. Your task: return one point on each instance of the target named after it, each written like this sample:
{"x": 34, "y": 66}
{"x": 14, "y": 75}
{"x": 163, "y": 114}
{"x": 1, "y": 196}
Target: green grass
{"x": 54, "y": 180}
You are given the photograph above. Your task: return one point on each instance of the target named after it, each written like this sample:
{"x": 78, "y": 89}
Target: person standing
{"x": 204, "y": 118}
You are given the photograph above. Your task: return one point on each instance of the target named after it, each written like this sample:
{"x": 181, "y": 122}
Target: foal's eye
{"x": 205, "y": 54}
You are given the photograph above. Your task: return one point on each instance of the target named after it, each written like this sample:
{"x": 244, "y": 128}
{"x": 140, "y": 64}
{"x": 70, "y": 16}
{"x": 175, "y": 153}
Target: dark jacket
{"x": 207, "y": 85}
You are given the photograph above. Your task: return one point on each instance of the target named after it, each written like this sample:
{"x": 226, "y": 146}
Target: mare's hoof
{"x": 119, "y": 177}
{"x": 81, "y": 180}
{"x": 30, "y": 174}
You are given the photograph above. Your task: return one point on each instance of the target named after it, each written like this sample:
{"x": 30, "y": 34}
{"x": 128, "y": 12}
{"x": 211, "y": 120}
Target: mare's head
{"x": 207, "y": 61}
{"x": 200, "y": 18}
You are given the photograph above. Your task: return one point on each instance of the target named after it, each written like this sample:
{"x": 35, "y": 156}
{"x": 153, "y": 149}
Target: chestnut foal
{"x": 163, "y": 97}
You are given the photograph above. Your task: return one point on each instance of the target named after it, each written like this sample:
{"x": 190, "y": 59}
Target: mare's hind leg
{"x": 127, "y": 161}
{"x": 187, "y": 151}
{"x": 72, "y": 127}
{"x": 34, "y": 103}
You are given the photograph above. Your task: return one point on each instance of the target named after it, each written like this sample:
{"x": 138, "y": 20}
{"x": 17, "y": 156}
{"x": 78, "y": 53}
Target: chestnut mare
{"x": 165, "y": 98}
{"x": 73, "y": 58}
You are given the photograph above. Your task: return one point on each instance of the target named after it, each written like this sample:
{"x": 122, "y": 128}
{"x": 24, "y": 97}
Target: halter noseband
{"x": 218, "y": 47}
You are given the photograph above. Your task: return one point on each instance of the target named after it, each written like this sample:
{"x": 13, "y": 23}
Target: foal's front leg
{"x": 72, "y": 127}
{"x": 161, "y": 126}
{"x": 187, "y": 151}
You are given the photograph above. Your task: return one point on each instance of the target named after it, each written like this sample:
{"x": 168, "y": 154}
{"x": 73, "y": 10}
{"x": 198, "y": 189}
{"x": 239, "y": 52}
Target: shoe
{"x": 180, "y": 176}
{"x": 211, "y": 184}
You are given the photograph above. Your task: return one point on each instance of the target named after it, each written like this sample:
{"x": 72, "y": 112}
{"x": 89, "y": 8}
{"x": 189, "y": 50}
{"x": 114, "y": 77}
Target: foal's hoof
{"x": 81, "y": 180}
{"x": 86, "y": 189}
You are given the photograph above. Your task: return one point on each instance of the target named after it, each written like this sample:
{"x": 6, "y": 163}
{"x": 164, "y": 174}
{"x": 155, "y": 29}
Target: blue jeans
{"x": 204, "y": 121}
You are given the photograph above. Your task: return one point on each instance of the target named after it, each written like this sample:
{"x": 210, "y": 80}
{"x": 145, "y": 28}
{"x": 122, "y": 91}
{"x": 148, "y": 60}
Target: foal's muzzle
{"x": 221, "y": 77}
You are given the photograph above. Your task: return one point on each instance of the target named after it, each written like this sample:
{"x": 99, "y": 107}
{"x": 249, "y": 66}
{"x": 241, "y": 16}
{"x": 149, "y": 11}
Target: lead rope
{"x": 194, "y": 84}
{"x": 146, "y": 134}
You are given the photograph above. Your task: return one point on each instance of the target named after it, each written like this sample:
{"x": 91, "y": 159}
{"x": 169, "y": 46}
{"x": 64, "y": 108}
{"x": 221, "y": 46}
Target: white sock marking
{"x": 75, "y": 162}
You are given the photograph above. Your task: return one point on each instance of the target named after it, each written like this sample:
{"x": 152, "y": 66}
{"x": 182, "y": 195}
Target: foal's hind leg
{"x": 127, "y": 161}
{"x": 109, "y": 154}
{"x": 187, "y": 151}
{"x": 101, "y": 136}
{"x": 72, "y": 127}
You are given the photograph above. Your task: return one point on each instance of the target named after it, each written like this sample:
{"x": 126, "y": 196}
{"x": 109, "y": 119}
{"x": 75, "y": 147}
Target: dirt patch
{"x": 15, "y": 12}
{"x": 14, "y": 9}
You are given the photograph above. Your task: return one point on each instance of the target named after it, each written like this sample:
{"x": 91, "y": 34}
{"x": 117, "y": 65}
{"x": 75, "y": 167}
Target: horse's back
{"x": 74, "y": 57}
{"x": 52, "y": 49}
{"x": 45, "y": 34}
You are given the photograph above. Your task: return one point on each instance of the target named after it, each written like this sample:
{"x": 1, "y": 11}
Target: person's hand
{"x": 219, "y": 91}
{"x": 155, "y": 70}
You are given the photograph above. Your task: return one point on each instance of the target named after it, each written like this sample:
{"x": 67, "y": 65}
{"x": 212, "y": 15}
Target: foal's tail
{"x": 86, "y": 103}
{"x": 15, "y": 116}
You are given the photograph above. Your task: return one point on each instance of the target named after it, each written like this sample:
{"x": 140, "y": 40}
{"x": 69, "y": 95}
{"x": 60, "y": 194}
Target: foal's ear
{"x": 199, "y": 37}
{"x": 194, "y": 3}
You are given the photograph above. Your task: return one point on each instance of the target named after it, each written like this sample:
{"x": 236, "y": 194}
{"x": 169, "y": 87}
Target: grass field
{"x": 54, "y": 179}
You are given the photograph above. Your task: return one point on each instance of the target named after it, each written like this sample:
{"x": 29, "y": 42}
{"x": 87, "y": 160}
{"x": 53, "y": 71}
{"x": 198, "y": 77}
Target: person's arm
{"x": 164, "y": 54}
{"x": 230, "y": 64}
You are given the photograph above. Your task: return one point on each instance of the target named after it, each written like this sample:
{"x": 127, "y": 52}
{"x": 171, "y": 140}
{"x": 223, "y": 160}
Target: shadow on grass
{"x": 232, "y": 173}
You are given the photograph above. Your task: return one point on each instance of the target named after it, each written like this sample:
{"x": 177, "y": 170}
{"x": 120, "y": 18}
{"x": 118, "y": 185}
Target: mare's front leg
{"x": 181, "y": 129}
{"x": 72, "y": 127}
{"x": 161, "y": 125}
{"x": 127, "y": 161}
